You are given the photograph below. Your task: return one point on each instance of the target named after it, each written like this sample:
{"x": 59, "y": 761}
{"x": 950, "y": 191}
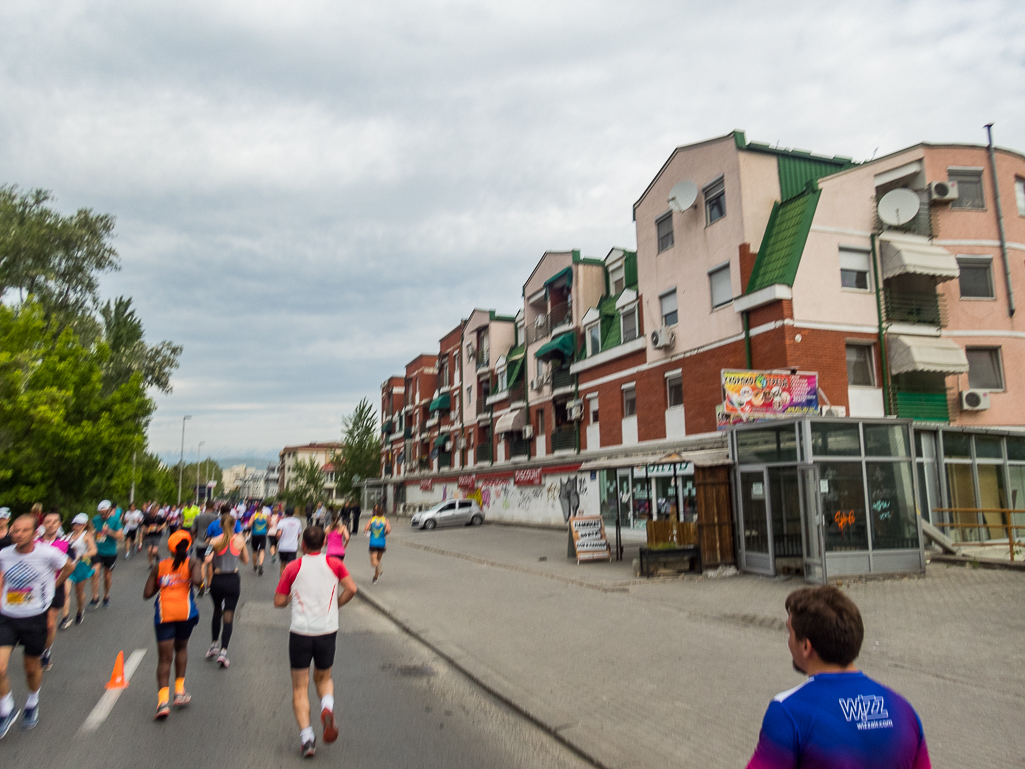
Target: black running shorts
{"x": 108, "y": 561}
{"x": 30, "y": 632}
{"x": 58, "y": 597}
{"x": 258, "y": 541}
{"x": 287, "y": 556}
{"x": 318, "y": 649}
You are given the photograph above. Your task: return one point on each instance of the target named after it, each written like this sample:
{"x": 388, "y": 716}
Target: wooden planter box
{"x": 676, "y": 559}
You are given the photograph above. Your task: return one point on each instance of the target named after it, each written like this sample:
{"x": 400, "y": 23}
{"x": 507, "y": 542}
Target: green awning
{"x": 388, "y": 426}
{"x": 440, "y": 441}
{"x": 564, "y": 345}
{"x": 567, "y": 274}
{"x": 514, "y": 371}
{"x": 516, "y": 352}
{"x": 442, "y": 403}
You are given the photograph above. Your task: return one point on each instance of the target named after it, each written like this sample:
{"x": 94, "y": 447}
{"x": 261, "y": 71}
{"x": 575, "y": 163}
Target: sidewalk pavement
{"x": 678, "y": 672}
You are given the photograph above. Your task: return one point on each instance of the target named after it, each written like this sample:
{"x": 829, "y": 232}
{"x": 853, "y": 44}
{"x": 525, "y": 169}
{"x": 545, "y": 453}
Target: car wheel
{"x": 430, "y": 524}
{"x": 477, "y": 520}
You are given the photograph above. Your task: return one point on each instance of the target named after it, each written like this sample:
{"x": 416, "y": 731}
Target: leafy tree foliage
{"x": 129, "y": 354}
{"x": 360, "y": 455}
{"x": 305, "y": 485}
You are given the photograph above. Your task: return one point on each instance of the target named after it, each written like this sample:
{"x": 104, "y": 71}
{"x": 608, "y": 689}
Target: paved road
{"x": 398, "y": 704}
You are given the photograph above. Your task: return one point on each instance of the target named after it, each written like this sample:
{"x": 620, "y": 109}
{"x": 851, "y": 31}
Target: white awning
{"x": 511, "y": 422}
{"x": 700, "y": 458}
{"x": 925, "y": 353}
{"x": 911, "y": 254}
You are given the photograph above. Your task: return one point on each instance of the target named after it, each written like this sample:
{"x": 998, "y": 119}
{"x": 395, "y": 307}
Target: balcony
{"x": 926, "y": 307}
{"x": 562, "y": 379}
{"x": 407, "y": 432}
{"x": 519, "y": 447}
{"x": 518, "y": 392}
{"x": 560, "y": 315}
{"x": 483, "y": 359}
{"x": 926, "y": 407}
{"x": 564, "y": 438}
{"x": 444, "y": 459}
{"x": 484, "y": 453}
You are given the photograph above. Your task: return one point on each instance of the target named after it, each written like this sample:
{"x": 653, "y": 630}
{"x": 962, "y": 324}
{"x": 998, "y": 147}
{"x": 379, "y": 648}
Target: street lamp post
{"x": 181, "y": 462}
{"x": 199, "y": 453}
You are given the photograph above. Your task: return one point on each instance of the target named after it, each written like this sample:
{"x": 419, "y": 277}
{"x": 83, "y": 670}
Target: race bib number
{"x": 19, "y": 596}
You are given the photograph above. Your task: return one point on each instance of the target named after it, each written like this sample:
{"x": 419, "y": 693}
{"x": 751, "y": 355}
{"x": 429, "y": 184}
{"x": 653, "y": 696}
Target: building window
{"x": 984, "y": 369}
{"x": 521, "y": 334}
{"x": 1019, "y": 195}
{"x": 594, "y": 339}
{"x": 540, "y": 422}
{"x": 664, "y": 227}
{"x": 855, "y": 266}
{"x": 629, "y": 401}
{"x": 722, "y": 290}
{"x": 469, "y": 395}
{"x": 976, "y": 277}
{"x": 628, "y": 318}
{"x": 969, "y": 188}
{"x": 443, "y": 372}
{"x": 715, "y": 202}
{"x": 860, "y": 368}
{"x": 617, "y": 275}
{"x": 674, "y": 391}
{"x": 592, "y": 408}
{"x": 668, "y": 306}
{"x": 503, "y": 380}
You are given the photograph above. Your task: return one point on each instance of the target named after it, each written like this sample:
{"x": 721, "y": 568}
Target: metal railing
{"x": 930, "y": 407}
{"x": 1007, "y": 526}
{"x": 561, "y": 377}
{"x": 519, "y": 447}
{"x": 559, "y": 314}
{"x": 564, "y": 438}
{"x": 518, "y": 392}
{"x": 484, "y": 453}
{"x": 483, "y": 359}
{"x": 926, "y": 307}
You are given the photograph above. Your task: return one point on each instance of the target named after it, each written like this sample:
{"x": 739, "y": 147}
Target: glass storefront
{"x": 652, "y": 492}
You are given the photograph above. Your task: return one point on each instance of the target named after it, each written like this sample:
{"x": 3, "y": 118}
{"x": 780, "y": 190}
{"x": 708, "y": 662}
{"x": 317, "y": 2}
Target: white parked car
{"x": 454, "y": 512}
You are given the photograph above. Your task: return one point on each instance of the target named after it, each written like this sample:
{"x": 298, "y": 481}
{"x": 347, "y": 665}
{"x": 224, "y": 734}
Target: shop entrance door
{"x": 754, "y": 523}
{"x": 812, "y": 525}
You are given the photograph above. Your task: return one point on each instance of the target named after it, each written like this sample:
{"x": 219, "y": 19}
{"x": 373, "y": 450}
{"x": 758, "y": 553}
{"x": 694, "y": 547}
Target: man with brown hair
{"x": 838, "y": 717}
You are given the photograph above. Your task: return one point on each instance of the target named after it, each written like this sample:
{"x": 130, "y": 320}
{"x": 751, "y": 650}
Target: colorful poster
{"x": 426, "y": 485}
{"x": 767, "y": 395}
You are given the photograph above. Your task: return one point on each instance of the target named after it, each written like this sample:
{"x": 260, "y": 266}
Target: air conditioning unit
{"x": 974, "y": 400}
{"x": 528, "y": 431}
{"x": 471, "y": 352}
{"x": 538, "y": 383}
{"x": 833, "y": 411}
{"x": 942, "y": 192}
{"x": 575, "y": 410}
{"x": 662, "y": 338}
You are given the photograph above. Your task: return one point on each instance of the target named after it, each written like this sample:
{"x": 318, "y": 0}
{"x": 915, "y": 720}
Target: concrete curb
{"x": 985, "y": 563}
{"x": 480, "y": 679}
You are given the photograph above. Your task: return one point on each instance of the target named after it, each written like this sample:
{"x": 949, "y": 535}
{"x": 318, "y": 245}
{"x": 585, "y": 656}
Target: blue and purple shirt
{"x": 840, "y": 721}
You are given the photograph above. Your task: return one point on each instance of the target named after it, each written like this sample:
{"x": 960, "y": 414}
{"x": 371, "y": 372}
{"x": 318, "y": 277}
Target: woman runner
{"x": 337, "y": 536}
{"x": 223, "y": 555}
{"x": 377, "y": 529}
{"x": 81, "y": 550}
{"x": 176, "y": 614}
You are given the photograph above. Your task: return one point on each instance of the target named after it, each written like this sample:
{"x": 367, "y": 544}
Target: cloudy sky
{"x": 309, "y": 193}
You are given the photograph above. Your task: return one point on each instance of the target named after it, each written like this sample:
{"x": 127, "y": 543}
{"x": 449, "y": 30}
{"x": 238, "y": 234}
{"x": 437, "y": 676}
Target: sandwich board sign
{"x": 589, "y": 539}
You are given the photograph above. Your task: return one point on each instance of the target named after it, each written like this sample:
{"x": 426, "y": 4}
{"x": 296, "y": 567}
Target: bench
{"x": 654, "y": 560}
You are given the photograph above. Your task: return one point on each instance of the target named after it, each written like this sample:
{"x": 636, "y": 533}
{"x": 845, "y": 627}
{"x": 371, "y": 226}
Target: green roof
{"x": 610, "y": 332}
{"x": 566, "y": 273}
{"x": 513, "y": 372}
{"x": 783, "y": 241}
{"x": 516, "y": 352}
{"x": 564, "y": 345}
{"x": 796, "y": 167}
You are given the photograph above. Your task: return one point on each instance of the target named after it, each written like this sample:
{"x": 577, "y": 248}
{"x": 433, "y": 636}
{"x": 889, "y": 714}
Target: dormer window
{"x": 617, "y": 279}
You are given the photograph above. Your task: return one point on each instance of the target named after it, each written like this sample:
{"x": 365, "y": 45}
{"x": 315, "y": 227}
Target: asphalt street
{"x": 398, "y": 705}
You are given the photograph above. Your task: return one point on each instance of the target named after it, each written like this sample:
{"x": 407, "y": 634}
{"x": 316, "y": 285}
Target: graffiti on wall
{"x": 560, "y": 497}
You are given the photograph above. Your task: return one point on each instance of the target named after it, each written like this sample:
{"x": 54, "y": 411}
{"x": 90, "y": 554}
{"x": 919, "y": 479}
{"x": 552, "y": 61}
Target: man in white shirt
{"x": 29, "y": 576}
{"x": 289, "y": 532}
{"x": 311, "y": 585}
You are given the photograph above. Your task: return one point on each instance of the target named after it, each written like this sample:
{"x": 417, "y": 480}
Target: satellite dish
{"x": 899, "y": 206}
{"x": 683, "y": 195}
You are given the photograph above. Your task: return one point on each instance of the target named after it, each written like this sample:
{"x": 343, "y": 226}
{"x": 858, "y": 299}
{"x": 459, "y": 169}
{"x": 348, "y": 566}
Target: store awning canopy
{"x": 512, "y": 422}
{"x": 442, "y": 403}
{"x": 514, "y": 371}
{"x": 913, "y": 255}
{"x": 926, "y": 353}
{"x": 440, "y": 441}
{"x": 699, "y": 457}
{"x": 564, "y": 345}
{"x": 388, "y": 426}
{"x": 566, "y": 273}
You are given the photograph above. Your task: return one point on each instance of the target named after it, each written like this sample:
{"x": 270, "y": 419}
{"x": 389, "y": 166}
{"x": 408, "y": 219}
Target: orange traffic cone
{"x": 117, "y": 678}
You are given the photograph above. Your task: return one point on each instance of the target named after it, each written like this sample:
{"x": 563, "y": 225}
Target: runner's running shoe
{"x": 213, "y": 651}
{"x": 222, "y": 659}
{"x": 163, "y": 711}
{"x": 327, "y": 718}
{"x": 67, "y": 622}
{"x": 309, "y": 749}
{"x": 30, "y": 719}
{"x": 7, "y": 723}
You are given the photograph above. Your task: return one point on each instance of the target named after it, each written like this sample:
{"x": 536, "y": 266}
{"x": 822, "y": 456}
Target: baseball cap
{"x": 174, "y": 539}
{"x": 5, "y": 512}
{"x": 104, "y": 505}
{"x": 80, "y": 520}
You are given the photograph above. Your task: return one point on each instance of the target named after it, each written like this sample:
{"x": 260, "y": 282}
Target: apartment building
{"x": 419, "y": 385}
{"x": 321, "y": 453}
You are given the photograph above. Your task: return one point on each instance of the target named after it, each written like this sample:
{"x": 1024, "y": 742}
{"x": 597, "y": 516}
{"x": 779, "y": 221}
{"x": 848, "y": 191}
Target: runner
{"x": 272, "y": 532}
{"x": 377, "y": 529}
{"x": 337, "y": 537}
{"x": 132, "y": 519}
{"x": 81, "y": 549}
{"x": 258, "y": 539}
{"x": 189, "y": 514}
{"x": 838, "y": 716}
{"x": 108, "y": 534}
{"x": 175, "y": 615}
{"x": 223, "y": 555}
{"x": 289, "y": 532}
{"x": 152, "y": 530}
{"x": 52, "y": 536}
{"x": 311, "y": 585}
{"x": 27, "y": 585}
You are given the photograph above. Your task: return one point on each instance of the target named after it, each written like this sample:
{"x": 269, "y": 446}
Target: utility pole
{"x": 181, "y": 461}
{"x": 199, "y": 453}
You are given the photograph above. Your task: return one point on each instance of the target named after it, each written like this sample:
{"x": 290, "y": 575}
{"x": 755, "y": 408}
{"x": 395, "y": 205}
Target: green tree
{"x": 129, "y": 354}
{"x": 360, "y": 455}
{"x": 305, "y": 485}
{"x": 63, "y": 440}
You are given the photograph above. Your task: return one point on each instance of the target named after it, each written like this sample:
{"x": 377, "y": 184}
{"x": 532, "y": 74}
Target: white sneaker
{"x": 213, "y": 651}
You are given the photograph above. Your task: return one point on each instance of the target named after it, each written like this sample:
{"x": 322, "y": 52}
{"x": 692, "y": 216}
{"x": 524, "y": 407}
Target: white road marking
{"x": 106, "y": 703}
